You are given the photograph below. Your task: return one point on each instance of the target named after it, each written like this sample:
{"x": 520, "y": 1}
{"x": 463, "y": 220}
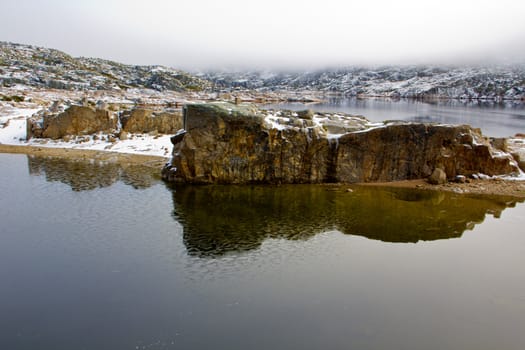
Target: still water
{"x": 99, "y": 256}
{"x": 494, "y": 119}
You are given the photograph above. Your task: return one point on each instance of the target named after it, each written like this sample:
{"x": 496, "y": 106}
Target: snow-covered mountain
{"x": 49, "y": 68}
{"x": 495, "y": 82}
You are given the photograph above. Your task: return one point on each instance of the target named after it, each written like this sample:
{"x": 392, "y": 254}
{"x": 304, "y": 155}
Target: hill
{"x": 48, "y": 68}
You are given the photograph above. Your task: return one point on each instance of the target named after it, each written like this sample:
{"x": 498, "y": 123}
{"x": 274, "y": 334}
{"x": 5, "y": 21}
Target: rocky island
{"x": 226, "y": 143}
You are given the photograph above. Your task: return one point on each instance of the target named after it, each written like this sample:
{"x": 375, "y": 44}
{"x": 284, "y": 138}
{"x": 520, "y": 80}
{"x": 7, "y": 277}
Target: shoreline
{"x": 488, "y": 187}
{"x": 492, "y": 187}
{"x": 87, "y": 154}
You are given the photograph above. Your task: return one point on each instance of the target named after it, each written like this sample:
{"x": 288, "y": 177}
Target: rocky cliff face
{"x": 410, "y": 151}
{"x": 225, "y": 143}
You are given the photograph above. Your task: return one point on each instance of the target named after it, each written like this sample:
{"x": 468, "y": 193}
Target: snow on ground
{"x": 13, "y": 132}
{"x": 137, "y": 144}
{"x": 519, "y": 177}
{"x": 277, "y": 122}
{"x": 13, "y": 123}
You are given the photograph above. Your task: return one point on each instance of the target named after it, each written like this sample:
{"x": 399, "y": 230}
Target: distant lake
{"x": 101, "y": 256}
{"x": 495, "y": 119}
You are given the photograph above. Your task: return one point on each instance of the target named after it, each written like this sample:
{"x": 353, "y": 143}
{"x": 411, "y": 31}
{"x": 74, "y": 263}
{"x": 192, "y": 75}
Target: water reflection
{"x": 221, "y": 219}
{"x": 217, "y": 220}
{"x": 83, "y": 175}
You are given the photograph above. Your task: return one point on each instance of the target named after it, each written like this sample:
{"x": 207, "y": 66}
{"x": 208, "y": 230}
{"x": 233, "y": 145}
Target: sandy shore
{"x": 476, "y": 187}
{"x": 69, "y": 153}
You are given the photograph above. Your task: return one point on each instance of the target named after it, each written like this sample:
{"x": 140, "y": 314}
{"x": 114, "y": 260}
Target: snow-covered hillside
{"x": 496, "y": 82}
{"x": 49, "y": 68}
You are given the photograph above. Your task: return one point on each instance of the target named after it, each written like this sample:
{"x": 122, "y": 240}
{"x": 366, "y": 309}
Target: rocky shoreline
{"x": 496, "y": 187}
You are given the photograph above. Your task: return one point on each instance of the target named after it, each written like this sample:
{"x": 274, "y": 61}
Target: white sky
{"x": 277, "y": 33}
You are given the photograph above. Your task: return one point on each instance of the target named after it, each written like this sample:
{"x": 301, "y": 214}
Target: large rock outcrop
{"x": 225, "y": 143}
{"x": 79, "y": 120}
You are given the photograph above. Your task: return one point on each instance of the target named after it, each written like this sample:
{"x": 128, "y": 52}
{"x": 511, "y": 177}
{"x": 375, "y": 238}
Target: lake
{"x": 502, "y": 119}
{"x": 102, "y": 256}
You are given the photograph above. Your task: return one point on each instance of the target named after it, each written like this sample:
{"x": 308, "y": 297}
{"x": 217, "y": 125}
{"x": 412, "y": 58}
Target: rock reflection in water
{"x": 82, "y": 175}
{"x": 221, "y": 219}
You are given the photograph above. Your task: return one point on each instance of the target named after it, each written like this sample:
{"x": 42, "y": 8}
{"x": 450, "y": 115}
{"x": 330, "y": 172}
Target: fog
{"x": 201, "y": 34}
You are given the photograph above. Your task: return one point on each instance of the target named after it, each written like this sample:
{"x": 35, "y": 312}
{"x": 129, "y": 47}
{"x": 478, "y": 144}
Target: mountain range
{"x": 49, "y": 68}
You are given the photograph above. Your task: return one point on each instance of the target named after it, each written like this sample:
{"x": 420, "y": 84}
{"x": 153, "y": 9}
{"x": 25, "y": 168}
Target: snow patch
{"x": 276, "y": 122}
{"x": 370, "y": 127}
{"x": 13, "y": 131}
{"x": 136, "y": 144}
{"x": 519, "y": 177}
{"x": 13, "y": 125}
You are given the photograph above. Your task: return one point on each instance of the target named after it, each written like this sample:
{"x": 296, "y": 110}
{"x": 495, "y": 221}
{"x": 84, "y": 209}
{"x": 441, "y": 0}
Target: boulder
{"x": 78, "y": 120}
{"x": 438, "y": 177}
{"x": 226, "y": 143}
{"x": 85, "y": 120}
{"x": 306, "y": 114}
{"x": 145, "y": 121}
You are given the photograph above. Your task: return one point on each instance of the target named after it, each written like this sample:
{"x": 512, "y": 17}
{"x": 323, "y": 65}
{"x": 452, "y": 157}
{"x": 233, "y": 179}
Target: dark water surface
{"x": 97, "y": 256}
{"x": 495, "y": 119}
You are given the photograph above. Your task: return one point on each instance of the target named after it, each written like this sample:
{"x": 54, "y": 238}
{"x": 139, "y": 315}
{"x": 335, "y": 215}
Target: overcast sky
{"x": 271, "y": 33}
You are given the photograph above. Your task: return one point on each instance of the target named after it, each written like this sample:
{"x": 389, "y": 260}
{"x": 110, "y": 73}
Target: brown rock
{"x": 438, "y": 177}
{"x": 306, "y": 114}
{"x": 409, "y": 151}
{"x": 78, "y": 120}
{"x": 499, "y": 143}
{"x": 145, "y": 121}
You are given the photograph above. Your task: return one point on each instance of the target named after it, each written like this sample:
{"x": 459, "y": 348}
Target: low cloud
{"x": 293, "y": 34}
